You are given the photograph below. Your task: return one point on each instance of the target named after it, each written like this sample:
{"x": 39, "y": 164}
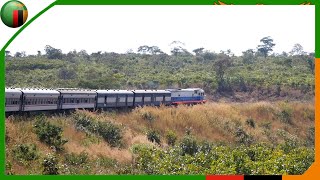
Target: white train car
{"x": 12, "y": 100}
{"x": 114, "y": 98}
{"x": 40, "y": 99}
{"x": 77, "y": 99}
{"x": 187, "y": 96}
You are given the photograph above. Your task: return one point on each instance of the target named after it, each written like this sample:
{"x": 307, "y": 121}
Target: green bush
{"x": 310, "y": 137}
{"x": 50, "y": 165}
{"x": 286, "y": 116}
{"x": 49, "y": 134}
{"x": 76, "y": 159}
{"x": 242, "y": 137}
{"x": 189, "y": 145}
{"x": 106, "y": 162}
{"x": 205, "y": 147}
{"x": 250, "y": 122}
{"x": 154, "y": 136}
{"x": 171, "y": 138}
{"x": 25, "y": 152}
{"x": 110, "y": 132}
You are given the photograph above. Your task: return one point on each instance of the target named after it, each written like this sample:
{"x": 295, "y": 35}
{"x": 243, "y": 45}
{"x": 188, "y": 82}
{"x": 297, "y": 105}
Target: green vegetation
{"x": 254, "y": 159}
{"x": 49, "y": 134}
{"x": 110, "y": 132}
{"x": 257, "y": 74}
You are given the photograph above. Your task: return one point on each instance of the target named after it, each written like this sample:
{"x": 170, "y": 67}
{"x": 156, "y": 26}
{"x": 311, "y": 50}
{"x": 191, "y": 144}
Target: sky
{"x": 120, "y": 28}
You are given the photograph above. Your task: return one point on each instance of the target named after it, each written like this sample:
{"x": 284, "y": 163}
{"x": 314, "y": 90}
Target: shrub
{"x": 205, "y": 147}
{"x": 49, "y": 134}
{"x": 189, "y": 145}
{"x": 148, "y": 116}
{"x": 285, "y": 116}
{"x": 154, "y": 136}
{"x": 250, "y": 122}
{"x": 25, "y": 152}
{"x": 310, "y": 137}
{"x": 106, "y": 162}
{"x": 50, "y": 165}
{"x": 171, "y": 138}
{"x": 242, "y": 137}
{"x": 111, "y": 133}
{"x": 76, "y": 159}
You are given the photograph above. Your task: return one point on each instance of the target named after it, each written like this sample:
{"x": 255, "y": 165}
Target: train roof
{"x": 76, "y": 91}
{"x": 13, "y": 90}
{"x": 187, "y": 89}
{"x": 39, "y": 91}
{"x": 151, "y": 91}
{"x": 114, "y": 91}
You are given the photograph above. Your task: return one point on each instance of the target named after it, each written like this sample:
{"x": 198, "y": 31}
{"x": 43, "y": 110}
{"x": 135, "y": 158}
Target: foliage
{"x": 250, "y": 122}
{"x": 267, "y": 46}
{"x": 221, "y": 65}
{"x": 207, "y": 70}
{"x": 49, "y": 133}
{"x": 242, "y": 137}
{"x": 50, "y": 165}
{"x": 154, "y": 136}
{"x": 254, "y": 159}
{"x": 76, "y": 159}
{"x": 25, "y": 152}
{"x": 109, "y": 131}
{"x": 189, "y": 145}
{"x": 171, "y": 138}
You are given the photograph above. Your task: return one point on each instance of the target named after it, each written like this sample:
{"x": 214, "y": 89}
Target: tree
{"x": 8, "y": 53}
{"x": 66, "y": 73}
{"x": 267, "y": 46}
{"x": 221, "y": 65}
{"x": 311, "y": 65}
{"x": 297, "y": 50}
{"x": 198, "y": 51}
{"x": 177, "y": 48}
{"x": 53, "y": 53}
{"x": 143, "y": 49}
{"x": 155, "y": 50}
{"x": 248, "y": 56}
{"x": 83, "y": 54}
{"x": 19, "y": 54}
{"x": 228, "y": 52}
{"x": 149, "y": 50}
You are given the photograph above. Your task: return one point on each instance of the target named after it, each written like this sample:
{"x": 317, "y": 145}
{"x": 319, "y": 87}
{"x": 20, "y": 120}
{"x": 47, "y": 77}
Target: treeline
{"x": 257, "y": 71}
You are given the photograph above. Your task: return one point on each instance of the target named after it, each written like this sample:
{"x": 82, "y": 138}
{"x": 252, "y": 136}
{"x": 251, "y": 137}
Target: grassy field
{"x": 219, "y": 138}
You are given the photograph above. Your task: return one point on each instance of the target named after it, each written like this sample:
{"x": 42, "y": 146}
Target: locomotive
{"x": 27, "y": 100}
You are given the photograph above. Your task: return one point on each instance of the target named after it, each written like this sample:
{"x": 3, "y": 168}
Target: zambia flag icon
{"x": 14, "y": 14}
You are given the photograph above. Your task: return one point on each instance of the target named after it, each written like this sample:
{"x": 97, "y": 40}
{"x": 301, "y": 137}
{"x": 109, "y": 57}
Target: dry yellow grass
{"x": 215, "y": 122}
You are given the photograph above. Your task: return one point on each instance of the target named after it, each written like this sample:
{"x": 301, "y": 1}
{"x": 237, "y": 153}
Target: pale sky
{"x": 119, "y": 28}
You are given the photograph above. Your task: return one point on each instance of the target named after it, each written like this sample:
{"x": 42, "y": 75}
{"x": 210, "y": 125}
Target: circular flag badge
{"x": 14, "y": 14}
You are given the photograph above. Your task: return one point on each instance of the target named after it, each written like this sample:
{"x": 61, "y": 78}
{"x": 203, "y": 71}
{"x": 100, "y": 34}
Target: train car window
{"x": 71, "y": 100}
{"x": 78, "y": 101}
{"x": 86, "y": 101}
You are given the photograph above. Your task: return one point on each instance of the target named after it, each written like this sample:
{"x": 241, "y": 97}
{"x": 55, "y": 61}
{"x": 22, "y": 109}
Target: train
{"x": 36, "y": 99}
